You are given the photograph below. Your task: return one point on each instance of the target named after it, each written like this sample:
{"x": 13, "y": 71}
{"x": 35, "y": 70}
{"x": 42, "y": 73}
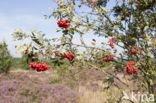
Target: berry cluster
{"x": 111, "y": 42}
{"x": 63, "y": 24}
{"x": 92, "y": 2}
{"x": 108, "y": 58}
{"x": 131, "y": 68}
{"x": 69, "y": 55}
{"x": 136, "y": 50}
{"x": 39, "y": 67}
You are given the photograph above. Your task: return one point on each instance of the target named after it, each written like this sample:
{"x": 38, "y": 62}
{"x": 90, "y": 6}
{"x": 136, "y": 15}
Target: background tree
{"x": 5, "y": 58}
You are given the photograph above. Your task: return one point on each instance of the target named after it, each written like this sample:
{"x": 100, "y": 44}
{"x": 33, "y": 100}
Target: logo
{"x": 138, "y": 97}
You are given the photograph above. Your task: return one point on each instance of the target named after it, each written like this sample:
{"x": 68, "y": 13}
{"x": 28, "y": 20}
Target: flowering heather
{"x": 93, "y": 75}
{"x": 20, "y": 90}
{"x": 93, "y": 86}
{"x": 58, "y": 93}
{"x": 8, "y": 91}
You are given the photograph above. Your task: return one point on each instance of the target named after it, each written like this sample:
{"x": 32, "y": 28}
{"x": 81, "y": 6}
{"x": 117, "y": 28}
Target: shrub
{"x": 128, "y": 38}
{"x": 25, "y": 60}
{"x": 5, "y": 58}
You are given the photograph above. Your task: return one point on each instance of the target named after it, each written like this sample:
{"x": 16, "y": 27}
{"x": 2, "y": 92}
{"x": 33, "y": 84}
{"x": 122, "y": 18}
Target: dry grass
{"x": 89, "y": 96}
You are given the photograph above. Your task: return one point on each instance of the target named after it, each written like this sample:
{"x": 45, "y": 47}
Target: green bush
{"x": 24, "y": 61}
{"x": 16, "y": 62}
{"x": 5, "y": 58}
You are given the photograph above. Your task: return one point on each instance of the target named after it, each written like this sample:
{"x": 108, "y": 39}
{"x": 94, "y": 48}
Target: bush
{"x": 16, "y": 62}
{"x": 24, "y": 61}
{"x": 5, "y": 58}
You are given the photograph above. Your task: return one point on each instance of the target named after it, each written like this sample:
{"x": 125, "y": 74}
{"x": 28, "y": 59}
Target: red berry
{"x": 136, "y": 48}
{"x": 135, "y": 69}
{"x": 66, "y": 29}
{"x": 133, "y": 52}
{"x": 131, "y": 68}
{"x": 63, "y": 24}
{"x": 111, "y": 42}
{"x": 129, "y": 71}
{"x": 66, "y": 21}
{"x": 90, "y": 1}
{"x": 39, "y": 67}
{"x": 113, "y": 37}
{"x": 108, "y": 58}
{"x": 57, "y": 53}
{"x": 140, "y": 51}
{"x": 69, "y": 56}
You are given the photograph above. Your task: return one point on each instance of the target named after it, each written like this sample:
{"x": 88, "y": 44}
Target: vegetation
{"x": 5, "y": 58}
{"x": 128, "y": 47}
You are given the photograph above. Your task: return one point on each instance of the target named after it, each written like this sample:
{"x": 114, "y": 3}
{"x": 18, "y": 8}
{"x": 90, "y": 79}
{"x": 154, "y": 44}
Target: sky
{"x": 24, "y": 14}
{"x": 27, "y": 14}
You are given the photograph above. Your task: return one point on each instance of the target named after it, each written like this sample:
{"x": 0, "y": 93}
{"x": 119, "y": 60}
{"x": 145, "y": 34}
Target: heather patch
{"x": 22, "y": 89}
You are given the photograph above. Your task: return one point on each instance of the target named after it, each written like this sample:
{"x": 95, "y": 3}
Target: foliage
{"x": 129, "y": 25}
{"x": 24, "y": 61}
{"x": 16, "y": 62}
{"x": 5, "y": 58}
